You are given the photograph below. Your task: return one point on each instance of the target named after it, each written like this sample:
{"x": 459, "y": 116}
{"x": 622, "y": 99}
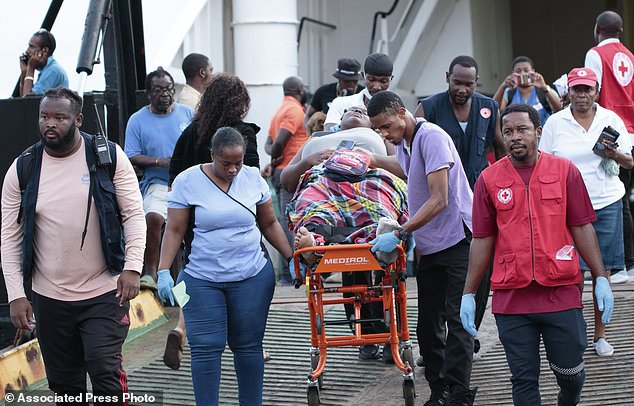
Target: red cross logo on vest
{"x": 505, "y": 195}
{"x": 622, "y": 68}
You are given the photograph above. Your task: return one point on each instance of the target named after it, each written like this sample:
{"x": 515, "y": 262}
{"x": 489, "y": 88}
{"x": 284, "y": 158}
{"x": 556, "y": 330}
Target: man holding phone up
{"x": 525, "y": 85}
{"x": 39, "y": 55}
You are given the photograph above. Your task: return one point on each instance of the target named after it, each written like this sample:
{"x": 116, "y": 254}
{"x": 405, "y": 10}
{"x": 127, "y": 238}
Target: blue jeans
{"x": 565, "y": 340}
{"x": 234, "y": 313}
{"x": 609, "y": 230}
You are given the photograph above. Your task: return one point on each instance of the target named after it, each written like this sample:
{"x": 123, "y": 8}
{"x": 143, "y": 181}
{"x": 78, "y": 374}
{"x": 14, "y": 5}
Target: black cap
{"x": 348, "y": 69}
{"x": 378, "y": 65}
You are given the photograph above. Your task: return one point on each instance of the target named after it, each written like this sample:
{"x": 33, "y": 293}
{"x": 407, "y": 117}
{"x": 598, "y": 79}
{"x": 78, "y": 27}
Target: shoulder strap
{"x": 510, "y": 94}
{"x": 237, "y": 201}
{"x": 92, "y": 159}
{"x": 112, "y": 147}
{"x": 543, "y": 99}
{"x": 92, "y": 162}
{"x": 24, "y": 167}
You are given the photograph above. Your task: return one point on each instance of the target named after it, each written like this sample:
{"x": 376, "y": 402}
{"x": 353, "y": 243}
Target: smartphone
{"x": 346, "y": 145}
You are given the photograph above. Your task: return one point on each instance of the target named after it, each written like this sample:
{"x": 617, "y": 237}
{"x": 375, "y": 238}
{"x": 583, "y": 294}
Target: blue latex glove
{"x": 291, "y": 269}
{"x": 605, "y": 298}
{"x": 165, "y": 284}
{"x": 467, "y": 313}
{"x": 385, "y": 242}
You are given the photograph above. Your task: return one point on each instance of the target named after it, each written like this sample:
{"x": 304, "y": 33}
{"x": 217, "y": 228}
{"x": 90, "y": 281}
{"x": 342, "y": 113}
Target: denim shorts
{"x": 609, "y": 230}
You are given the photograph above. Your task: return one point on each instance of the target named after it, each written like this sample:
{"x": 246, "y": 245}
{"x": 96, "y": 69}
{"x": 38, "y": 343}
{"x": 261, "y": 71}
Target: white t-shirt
{"x": 363, "y": 137}
{"x": 340, "y": 104}
{"x": 593, "y": 59}
{"x": 563, "y": 136}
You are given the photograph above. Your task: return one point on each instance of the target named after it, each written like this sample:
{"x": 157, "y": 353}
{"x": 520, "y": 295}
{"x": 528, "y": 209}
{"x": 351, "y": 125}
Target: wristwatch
{"x": 402, "y": 234}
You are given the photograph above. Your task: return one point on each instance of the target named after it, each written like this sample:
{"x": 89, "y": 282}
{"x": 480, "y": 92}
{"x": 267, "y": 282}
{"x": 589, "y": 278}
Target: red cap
{"x": 582, "y": 76}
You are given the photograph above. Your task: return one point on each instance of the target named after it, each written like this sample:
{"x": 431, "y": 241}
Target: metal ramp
{"x": 608, "y": 379}
{"x": 348, "y": 381}
{"x": 287, "y": 338}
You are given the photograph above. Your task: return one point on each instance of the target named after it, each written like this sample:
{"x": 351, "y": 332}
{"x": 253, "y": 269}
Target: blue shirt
{"x": 532, "y": 100}
{"x": 155, "y": 135}
{"x": 51, "y": 75}
{"x": 432, "y": 149}
{"x": 226, "y": 245}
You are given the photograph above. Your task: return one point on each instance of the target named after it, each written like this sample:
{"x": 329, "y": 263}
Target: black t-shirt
{"x": 326, "y": 94}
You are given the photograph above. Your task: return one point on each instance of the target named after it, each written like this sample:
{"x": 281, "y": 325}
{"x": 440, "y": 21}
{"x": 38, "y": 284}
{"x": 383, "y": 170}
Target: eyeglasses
{"x": 158, "y": 90}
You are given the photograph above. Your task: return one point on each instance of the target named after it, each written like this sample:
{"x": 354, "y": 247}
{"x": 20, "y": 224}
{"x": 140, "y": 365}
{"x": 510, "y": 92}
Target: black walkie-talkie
{"x": 101, "y": 143}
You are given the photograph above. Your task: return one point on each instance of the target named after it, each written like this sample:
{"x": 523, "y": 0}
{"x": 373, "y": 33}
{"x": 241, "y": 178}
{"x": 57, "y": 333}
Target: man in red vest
{"x": 614, "y": 66}
{"x": 522, "y": 210}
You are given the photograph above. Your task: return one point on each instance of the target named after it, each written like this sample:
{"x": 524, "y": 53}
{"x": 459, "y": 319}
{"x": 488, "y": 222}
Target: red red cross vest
{"x": 531, "y": 222}
{"x": 617, "y": 89}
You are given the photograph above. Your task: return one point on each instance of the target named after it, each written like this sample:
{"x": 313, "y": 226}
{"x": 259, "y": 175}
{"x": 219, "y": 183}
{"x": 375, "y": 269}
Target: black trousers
{"x": 448, "y": 352}
{"x": 625, "y": 175}
{"x": 372, "y": 310}
{"x": 565, "y": 340}
{"x": 82, "y": 337}
{"x": 283, "y": 199}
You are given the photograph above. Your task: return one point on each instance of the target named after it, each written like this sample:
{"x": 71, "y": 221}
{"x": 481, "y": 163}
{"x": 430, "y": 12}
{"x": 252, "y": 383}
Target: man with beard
{"x": 531, "y": 210}
{"x": 377, "y": 73}
{"x": 470, "y": 118}
{"x": 439, "y": 201}
{"x": 472, "y": 121}
{"x": 150, "y": 137}
{"x": 286, "y": 136}
{"x": 81, "y": 281}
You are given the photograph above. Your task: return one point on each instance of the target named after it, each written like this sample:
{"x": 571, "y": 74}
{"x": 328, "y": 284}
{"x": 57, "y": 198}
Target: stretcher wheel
{"x": 408, "y": 356}
{"x": 314, "y": 361}
{"x": 313, "y": 396}
{"x": 409, "y": 392}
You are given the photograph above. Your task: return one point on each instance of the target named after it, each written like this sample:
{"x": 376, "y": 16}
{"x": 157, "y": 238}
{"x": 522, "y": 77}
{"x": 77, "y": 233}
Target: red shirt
{"x": 534, "y": 298}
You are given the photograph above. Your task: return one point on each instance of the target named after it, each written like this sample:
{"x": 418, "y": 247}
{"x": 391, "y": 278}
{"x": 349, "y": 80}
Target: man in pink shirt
{"x": 66, "y": 232}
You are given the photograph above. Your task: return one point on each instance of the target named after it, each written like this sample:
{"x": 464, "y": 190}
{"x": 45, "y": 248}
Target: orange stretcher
{"x": 391, "y": 292}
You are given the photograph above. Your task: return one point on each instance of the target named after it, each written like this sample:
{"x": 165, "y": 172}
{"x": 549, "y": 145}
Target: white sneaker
{"x": 620, "y": 277}
{"x": 603, "y": 348}
{"x": 630, "y": 274}
{"x": 587, "y": 278}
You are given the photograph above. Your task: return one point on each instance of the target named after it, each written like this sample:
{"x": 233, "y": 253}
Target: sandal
{"x": 173, "y": 349}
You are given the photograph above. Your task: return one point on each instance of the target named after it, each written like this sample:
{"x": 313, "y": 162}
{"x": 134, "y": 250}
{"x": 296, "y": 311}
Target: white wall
{"x": 265, "y": 53}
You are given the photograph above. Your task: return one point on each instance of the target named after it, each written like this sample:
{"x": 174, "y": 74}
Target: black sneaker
{"x": 369, "y": 352}
{"x": 464, "y": 398}
{"x": 439, "y": 395}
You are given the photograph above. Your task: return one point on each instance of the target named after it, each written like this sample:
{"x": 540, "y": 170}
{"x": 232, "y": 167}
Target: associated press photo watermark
{"x": 33, "y": 397}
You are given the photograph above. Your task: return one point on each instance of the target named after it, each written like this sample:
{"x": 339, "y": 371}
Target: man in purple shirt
{"x": 440, "y": 199}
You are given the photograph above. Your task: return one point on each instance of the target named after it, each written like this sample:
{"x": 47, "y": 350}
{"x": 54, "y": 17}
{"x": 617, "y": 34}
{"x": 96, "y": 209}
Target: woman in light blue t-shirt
{"x": 229, "y": 278}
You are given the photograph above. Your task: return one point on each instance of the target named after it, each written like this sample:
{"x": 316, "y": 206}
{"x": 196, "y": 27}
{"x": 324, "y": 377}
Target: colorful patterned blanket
{"x": 320, "y": 200}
